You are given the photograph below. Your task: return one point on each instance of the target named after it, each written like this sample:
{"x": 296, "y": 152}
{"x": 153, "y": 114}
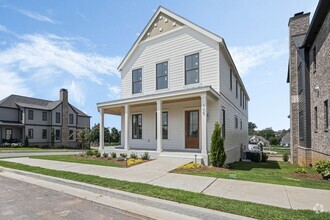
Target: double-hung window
{"x": 71, "y": 119}
{"x": 326, "y": 115}
{"x": 162, "y": 75}
{"x": 137, "y": 126}
{"x": 44, "y": 116}
{"x": 231, "y": 79}
{"x": 30, "y": 114}
{"x": 137, "y": 81}
{"x": 192, "y": 69}
{"x": 164, "y": 125}
{"x": 58, "y": 117}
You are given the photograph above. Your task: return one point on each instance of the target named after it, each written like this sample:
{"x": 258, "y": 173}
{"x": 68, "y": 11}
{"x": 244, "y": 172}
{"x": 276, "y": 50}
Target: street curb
{"x": 178, "y": 209}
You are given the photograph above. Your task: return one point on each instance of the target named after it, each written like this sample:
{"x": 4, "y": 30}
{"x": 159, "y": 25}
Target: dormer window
{"x": 192, "y": 69}
{"x": 137, "y": 81}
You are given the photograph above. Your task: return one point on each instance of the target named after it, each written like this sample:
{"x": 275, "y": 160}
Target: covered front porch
{"x": 184, "y": 119}
{"x": 11, "y": 132}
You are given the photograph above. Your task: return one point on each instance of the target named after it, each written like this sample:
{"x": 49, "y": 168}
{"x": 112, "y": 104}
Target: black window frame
{"x": 137, "y": 126}
{"x": 136, "y": 81}
{"x": 71, "y": 133}
{"x": 163, "y": 75}
{"x": 236, "y": 89}
{"x": 30, "y": 133}
{"x": 241, "y": 125}
{"x": 57, "y": 134}
{"x": 30, "y": 114}
{"x": 240, "y": 97}
{"x": 326, "y": 115}
{"x": 191, "y": 69}
{"x": 71, "y": 119}
{"x": 236, "y": 122}
{"x": 58, "y": 117}
{"x": 231, "y": 79}
{"x": 44, "y": 116}
{"x": 300, "y": 78}
{"x": 44, "y": 133}
{"x": 301, "y": 124}
{"x": 223, "y": 123}
{"x": 163, "y": 126}
{"x": 316, "y": 119}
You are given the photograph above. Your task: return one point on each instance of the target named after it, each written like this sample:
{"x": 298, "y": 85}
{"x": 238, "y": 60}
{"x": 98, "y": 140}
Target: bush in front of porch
{"x": 218, "y": 155}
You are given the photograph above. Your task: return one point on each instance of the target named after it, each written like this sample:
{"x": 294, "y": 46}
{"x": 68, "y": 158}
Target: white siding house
{"x": 185, "y": 72}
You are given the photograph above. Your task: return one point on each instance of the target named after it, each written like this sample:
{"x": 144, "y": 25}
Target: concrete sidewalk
{"x": 156, "y": 173}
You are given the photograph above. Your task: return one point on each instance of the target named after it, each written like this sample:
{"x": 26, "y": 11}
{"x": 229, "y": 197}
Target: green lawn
{"x": 248, "y": 209}
{"x": 274, "y": 172}
{"x": 74, "y": 159}
{"x": 279, "y": 149}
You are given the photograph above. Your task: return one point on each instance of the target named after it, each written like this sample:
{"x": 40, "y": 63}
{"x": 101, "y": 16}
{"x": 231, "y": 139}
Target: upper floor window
{"x": 314, "y": 59}
{"x": 137, "y": 81}
{"x": 162, "y": 75}
{"x": 236, "y": 89}
{"x": 326, "y": 115}
{"x": 240, "y": 97}
{"x": 58, "y": 117}
{"x": 300, "y": 78}
{"x": 315, "y": 118}
{"x": 301, "y": 126}
{"x": 70, "y": 118}
{"x": 30, "y": 114}
{"x": 231, "y": 79}
{"x": 241, "y": 124}
{"x": 44, "y": 116}
{"x": 236, "y": 122}
{"x": 192, "y": 69}
{"x": 137, "y": 126}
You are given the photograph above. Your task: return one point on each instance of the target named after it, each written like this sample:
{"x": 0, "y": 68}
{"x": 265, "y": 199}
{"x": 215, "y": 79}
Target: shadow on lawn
{"x": 252, "y": 165}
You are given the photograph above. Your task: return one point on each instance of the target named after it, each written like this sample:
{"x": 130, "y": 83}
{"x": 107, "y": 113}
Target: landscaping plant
{"x": 300, "y": 170}
{"x": 285, "y": 157}
{"x": 26, "y": 142}
{"x": 113, "y": 155}
{"x": 145, "y": 156}
{"x": 105, "y": 155}
{"x": 323, "y": 167}
{"x": 123, "y": 155}
{"x": 134, "y": 155}
{"x": 218, "y": 155}
{"x": 264, "y": 157}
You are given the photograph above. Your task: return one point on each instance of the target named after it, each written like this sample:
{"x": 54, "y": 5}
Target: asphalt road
{"x": 20, "y": 200}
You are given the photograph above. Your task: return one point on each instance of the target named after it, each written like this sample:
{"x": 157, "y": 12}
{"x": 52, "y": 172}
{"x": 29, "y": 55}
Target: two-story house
{"x": 177, "y": 81}
{"x": 39, "y": 119}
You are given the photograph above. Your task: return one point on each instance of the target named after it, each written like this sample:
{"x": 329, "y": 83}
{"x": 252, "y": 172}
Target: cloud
{"x": 246, "y": 58}
{"x": 31, "y": 14}
{"x": 114, "y": 91}
{"x": 50, "y": 54}
{"x": 12, "y": 83}
{"x": 76, "y": 92}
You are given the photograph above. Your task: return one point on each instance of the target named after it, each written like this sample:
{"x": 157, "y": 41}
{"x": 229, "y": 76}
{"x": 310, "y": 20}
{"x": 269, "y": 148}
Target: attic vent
{"x": 160, "y": 17}
{"x": 155, "y": 24}
{"x": 148, "y": 34}
{"x": 174, "y": 24}
{"x": 165, "y": 20}
{"x": 160, "y": 29}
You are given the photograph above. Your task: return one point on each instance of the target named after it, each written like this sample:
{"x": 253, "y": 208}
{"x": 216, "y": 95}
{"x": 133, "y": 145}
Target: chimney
{"x": 65, "y": 117}
{"x": 299, "y": 23}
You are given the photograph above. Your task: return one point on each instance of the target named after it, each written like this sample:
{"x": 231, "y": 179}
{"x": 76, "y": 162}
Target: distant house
{"x": 309, "y": 78}
{"x": 285, "y": 141}
{"x": 38, "y": 119}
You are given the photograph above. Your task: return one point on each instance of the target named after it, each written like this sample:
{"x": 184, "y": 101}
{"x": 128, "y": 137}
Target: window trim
{"x": 136, "y": 69}
{"x": 236, "y": 122}
{"x": 58, "y": 137}
{"x": 157, "y": 77}
{"x": 326, "y": 115}
{"x": 133, "y": 126}
{"x": 231, "y": 79}
{"x": 30, "y": 136}
{"x": 32, "y": 114}
{"x": 71, "y": 122}
{"x": 185, "y": 70}
{"x": 241, "y": 124}
{"x": 223, "y": 133}
{"x": 316, "y": 119}
{"x": 236, "y": 89}
{"x": 71, "y": 135}
{"x": 11, "y": 133}
{"x": 43, "y": 114}
{"x": 59, "y": 117}
{"x": 42, "y": 134}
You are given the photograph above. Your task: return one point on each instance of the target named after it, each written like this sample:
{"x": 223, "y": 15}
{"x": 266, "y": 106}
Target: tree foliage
{"x": 252, "y": 126}
{"x": 218, "y": 155}
{"x": 113, "y": 136}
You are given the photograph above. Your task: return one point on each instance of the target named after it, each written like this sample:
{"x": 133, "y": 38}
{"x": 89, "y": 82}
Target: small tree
{"x": 218, "y": 155}
{"x": 26, "y": 142}
{"x": 52, "y": 139}
{"x": 84, "y": 136}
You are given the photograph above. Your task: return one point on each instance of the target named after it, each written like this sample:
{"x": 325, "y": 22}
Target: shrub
{"x": 264, "y": 157}
{"x": 26, "y": 142}
{"x": 300, "y": 170}
{"x": 123, "y": 155}
{"x": 91, "y": 152}
{"x": 98, "y": 154}
{"x": 113, "y": 155}
{"x": 285, "y": 157}
{"x": 191, "y": 165}
{"x": 105, "y": 155}
{"x": 145, "y": 156}
{"x": 218, "y": 155}
{"x": 132, "y": 161}
{"x": 134, "y": 155}
{"x": 323, "y": 167}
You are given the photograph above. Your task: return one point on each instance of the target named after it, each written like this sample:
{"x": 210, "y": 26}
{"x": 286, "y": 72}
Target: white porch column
{"x": 101, "y": 129}
{"x": 127, "y": 109}
{"x": 204, "y": 123}
{"x": 159, "y": 126}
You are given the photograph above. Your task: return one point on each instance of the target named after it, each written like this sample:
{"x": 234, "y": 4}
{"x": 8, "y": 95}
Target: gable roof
{"x": 182, "y": 20}
{"x": 16, "y": 101}
{"x": 286, "y": 138}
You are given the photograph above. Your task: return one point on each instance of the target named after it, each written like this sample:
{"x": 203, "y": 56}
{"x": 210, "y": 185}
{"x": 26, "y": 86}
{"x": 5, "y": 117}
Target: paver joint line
{"x": 287, "y": 196}
{"x": 157, "y": 178}
{"x": 209, "y": 185}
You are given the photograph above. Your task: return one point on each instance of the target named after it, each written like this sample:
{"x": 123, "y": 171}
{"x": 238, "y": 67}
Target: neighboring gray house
{"x": 22, "y": 116}
{"x": 309, "y": 78}
{"x": 285, "y": 141}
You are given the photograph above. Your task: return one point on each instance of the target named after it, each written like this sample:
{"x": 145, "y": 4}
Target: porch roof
{"x": 11, "y": 123}
{"x": 116, "y": 105}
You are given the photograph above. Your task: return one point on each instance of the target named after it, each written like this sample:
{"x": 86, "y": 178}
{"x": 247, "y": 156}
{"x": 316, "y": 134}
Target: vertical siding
{"x": 172, "y": 47}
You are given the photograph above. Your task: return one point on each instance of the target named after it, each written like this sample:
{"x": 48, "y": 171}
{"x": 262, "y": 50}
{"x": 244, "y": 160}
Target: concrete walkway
{"x": 5, "y": 154}
{"x": 156, "y": 173}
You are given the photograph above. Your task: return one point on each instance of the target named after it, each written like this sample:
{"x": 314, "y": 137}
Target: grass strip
{"x": 74, "y": 159}
{"x": 248, "y": 209}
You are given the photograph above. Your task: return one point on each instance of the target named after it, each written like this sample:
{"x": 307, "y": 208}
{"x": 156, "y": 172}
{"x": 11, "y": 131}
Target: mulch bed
{"x": 120, "y": 162}
{"x": 308, "y": 176}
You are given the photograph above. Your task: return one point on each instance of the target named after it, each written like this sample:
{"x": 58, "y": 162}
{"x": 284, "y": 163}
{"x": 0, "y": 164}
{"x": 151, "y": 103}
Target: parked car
{"x": 254, "y": 148}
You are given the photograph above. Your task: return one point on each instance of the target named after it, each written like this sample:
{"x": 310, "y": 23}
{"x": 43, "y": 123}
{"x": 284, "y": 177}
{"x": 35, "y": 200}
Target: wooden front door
{"x": 192, "y": 129}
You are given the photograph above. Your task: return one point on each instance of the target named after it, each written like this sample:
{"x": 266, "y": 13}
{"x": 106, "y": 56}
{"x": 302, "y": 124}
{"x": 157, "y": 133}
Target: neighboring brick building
{"x": 309, "y": 78}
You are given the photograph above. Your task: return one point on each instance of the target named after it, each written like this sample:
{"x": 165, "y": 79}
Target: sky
{"x": 78, "y": 45}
